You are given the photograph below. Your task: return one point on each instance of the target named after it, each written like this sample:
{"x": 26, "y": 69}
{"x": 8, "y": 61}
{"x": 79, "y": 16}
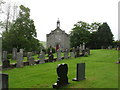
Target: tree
{"x": 79, "y": 34}
{"x": 104, "y": 36}
{"x": 22, "y": 33}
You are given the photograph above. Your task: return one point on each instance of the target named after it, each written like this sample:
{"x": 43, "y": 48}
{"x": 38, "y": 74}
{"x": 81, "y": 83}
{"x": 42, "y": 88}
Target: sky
{"x": 45, "y": 14}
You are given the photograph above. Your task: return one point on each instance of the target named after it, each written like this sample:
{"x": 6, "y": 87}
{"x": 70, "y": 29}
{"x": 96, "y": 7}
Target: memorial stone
{"x": 88, "y": 51}
{"x": 80, "y": 75}
{"x": 77, "y": 52}
{"x": 42, "y": 57}
{"x": 62, "y": 71}
{"x": 5, "y": 61}
{"x": 66, "y": 54}
{"x": 4, "y": 81}
{"x": 59, "y": 54}
{"x": 29, "y": 54}
{"x": 21, "y": 51}
{"x": 83, "y": 48}
{"x": 19, "y": 60}
{"x": 51, "y": 56}
{"x": 31, "y": 61}
{"x": 14, "y": 54}
{"x": 4, "y": 55}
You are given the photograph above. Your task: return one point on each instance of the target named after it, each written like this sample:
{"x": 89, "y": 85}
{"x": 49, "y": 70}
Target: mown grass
{"x": 101, "y": 72}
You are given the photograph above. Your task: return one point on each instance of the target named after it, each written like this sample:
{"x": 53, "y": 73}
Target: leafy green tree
{"x": 79, "y": 34}
{"x": 22, "y": 33}
{"x": 104, "y": 36}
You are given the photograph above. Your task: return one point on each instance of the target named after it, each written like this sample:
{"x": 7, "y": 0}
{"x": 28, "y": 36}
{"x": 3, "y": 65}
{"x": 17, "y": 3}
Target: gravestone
{"x": 66, "y": 54}
{"x": 19, "y": 60}
{"x": 77, "y": 52}
{"x": 29, "y": 54}
{"x": 14, "y": 54}
{"x": 31, "y": 61}
{"x": 88, "y": 51}
{"x": 83, "y": 53}
{"x": 59, "y": 54}
{"x": 4, "y": 55}
{"x": 21, "y": 51}
{"x": 83, "y": 48}
{"x": 62, "y": 71}
{"x": 3, "y": 81}
{"x": 72, "y": 53}
{"x": 42, "y": 57}
{"x": 80, "y": 48}
{"x": 51, "y": 56}
{"x": 5, "y": 61}
{"x": 80, "y": 75}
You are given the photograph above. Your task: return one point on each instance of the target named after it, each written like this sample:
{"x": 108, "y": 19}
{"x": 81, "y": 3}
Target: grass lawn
{"x": 101, "y": 72}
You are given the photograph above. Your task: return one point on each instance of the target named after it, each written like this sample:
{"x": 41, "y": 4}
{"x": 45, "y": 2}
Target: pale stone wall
{"x": 58, "y": 37}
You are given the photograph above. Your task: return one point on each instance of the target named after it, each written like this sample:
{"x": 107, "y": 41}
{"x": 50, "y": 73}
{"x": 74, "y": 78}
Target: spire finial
{"x": 58, "y": 23}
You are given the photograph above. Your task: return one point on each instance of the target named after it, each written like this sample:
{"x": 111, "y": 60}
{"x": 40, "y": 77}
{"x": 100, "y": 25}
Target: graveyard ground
{"x": 101, "y": 72}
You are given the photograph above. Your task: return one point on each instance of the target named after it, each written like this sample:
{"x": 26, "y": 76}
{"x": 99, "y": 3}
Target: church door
{"x": 57, "y": 47}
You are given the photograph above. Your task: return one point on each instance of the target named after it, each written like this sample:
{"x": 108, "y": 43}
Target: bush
{"x": 9, "y": 56}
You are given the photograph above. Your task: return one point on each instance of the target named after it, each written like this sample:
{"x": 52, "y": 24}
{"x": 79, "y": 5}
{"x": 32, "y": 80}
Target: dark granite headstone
{"x": 77, "y": 52}
{"x": 5, "y": 61}
{"x": 62, "y": 71}
{"x": 51, "y": 56}
{"x": 5, "y": 64}
{"x": 4, "y": 81}
{"x": 80, "y": 75}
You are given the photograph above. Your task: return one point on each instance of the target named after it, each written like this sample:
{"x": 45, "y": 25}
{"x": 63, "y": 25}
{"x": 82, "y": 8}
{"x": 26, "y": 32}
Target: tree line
{"x": 20, "y": 33}
{"x": 95, "y": 35}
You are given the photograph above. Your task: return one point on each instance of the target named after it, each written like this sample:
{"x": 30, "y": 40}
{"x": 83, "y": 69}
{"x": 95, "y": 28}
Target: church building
{"x": 58, "y": 38}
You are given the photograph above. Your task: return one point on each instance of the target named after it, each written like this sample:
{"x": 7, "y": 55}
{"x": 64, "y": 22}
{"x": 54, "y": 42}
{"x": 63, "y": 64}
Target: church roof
{"x": 58, "y": 28}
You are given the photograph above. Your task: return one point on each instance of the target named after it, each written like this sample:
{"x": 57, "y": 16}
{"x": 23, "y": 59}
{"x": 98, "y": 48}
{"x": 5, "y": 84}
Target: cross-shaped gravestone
{"x": 80, "y": 75}
{"x": 62, "y": 71}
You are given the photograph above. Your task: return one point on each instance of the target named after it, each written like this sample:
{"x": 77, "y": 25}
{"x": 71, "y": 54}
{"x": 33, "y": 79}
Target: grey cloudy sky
{"x": 46, "y": 12}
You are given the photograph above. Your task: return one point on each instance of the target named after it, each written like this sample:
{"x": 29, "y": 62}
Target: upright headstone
{"x": 21, "y": 51}
{"x": 5, "y": 61}
{"x": 31, "y": 61}
{"x": 83, "y": 48}
{"x": 77, "y": 52}
{"x": 29, "y": 54}
{"x": 14, "y": 54}
{"x": 66, "y": 52}
{"x": 72, "y": 53}
{"x": 80, "y": 75}
{"x": 59, "y": 54}
{"x": 42, "y": 57}
{"x": 4, "y": 55}
{"x": 19, "y": 60}
{"x": 88, "y": 51}
{"x": 62, "y": 71}
{"x": 4, "y": 81}
{"x": 51, "y": 56}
